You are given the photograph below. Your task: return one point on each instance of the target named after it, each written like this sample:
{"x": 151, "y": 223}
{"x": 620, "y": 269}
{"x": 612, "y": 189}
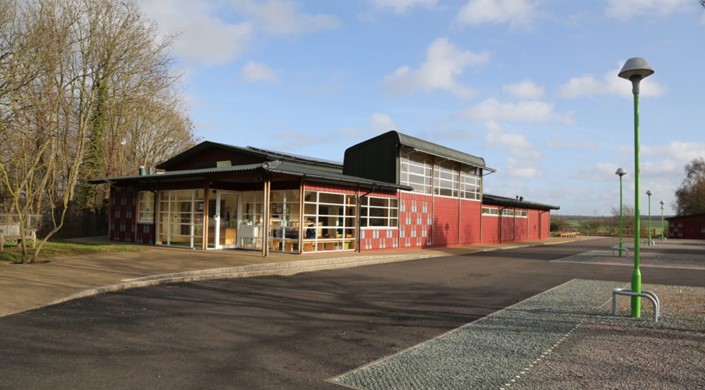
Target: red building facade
{"x": 392, "y": 192}
{"x": 687, "y": 227}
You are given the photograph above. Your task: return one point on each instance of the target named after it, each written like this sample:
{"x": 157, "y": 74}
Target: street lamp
{"x": 648, "y": 223}
{"x": 634, "y": 70}
{"x": 620, "y": 172}
{"x": 663, "y": 237}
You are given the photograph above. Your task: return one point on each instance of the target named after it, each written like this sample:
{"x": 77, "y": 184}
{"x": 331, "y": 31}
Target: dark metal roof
{"x": 179, "y": 174}
{"x": 285, "y": 167}
{"x": 251, "y": 151}
{"x": 285, "y": 156}
{"x": 426, "y": 147}
{"x": 496, "y": 200}
{"x": 441, "y": 151}
{"x": 280, "y": 167}
{"x": 684, "y": 217}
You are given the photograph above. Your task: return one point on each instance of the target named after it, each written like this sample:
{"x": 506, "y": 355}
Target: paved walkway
{"x": 27, "y": 287}
{"x": 560, "y": 339}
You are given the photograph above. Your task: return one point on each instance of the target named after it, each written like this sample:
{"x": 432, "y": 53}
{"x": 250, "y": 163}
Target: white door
{"x": 224, "y": 220}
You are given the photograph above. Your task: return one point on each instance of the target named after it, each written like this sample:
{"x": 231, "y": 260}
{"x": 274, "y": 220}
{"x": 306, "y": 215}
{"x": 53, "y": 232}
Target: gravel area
{"x": 607, "y": 352}
{"x": 564, "y": 338}
{"x": 662, "y": 254}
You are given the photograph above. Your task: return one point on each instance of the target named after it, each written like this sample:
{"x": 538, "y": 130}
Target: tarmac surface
{"x": 66, "y": 278}
{"x": 560, "y": 338}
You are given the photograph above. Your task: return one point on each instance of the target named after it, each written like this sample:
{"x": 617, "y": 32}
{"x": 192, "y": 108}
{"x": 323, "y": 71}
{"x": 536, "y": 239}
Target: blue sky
{"x": 529, "y": 85}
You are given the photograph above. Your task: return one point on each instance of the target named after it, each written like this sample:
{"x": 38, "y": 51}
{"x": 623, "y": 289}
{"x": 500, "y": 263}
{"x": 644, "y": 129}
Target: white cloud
{"x": 676, "y": 150}
{"x": 665, "y": 163}
{"x": 526, "y": 111}
{"x": 254, "y": 72}
{"x": 526, "y": 89}
{"x": 520, "y": 168}
{"x": 381, "y": 123}
{"x": 517, "y": 145}
{"x": 378, "y": 123}
{"x": 205, "y": 37}
{"x": 563, "y": 145}
{"x": 610, "y": 84}
{"x": 202, "y": 37}
{"x": 599, "y": 172}
{"x": 403, "y": 6}
{"x": 281, "y": 17}
{"x": 522, "y": 156}
{"x": 444, "y": 63}
{"x": 518, "y": 13}
{"x": 627, "y": 9}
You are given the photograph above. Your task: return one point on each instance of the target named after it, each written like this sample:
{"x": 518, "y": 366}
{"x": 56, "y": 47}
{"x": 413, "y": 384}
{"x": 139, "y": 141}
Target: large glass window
{"x": 145, "y": 207}
{"x": 284, "y": 223}
{"x": 445, "y": 181}
{"x": 416, "y": 170}
{"x": 329, "y": 221}
{"x": 470, "y": 183}
{"x": 252, "y": 217}
{"x": 379, "y": 212}
{"x": 444, "y": 178}
{"x": 181, "y": 218}
{"x": 490, "y": 211}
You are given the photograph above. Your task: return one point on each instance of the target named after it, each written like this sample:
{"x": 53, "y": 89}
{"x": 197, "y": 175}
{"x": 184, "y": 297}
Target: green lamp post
{"x": 663, "y": 237}
{"x": 648, "y": 223}
{"x": 635, "y": 70}
{"x": 620, "y": 172}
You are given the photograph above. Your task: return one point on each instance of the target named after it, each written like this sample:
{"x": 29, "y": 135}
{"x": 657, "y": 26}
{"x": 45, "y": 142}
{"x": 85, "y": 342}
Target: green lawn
{"x": 13, "y": 252}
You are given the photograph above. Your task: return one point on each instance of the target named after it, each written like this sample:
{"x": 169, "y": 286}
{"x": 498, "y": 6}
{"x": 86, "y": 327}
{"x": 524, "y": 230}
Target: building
{"x": 687, "y": 226}
{"x": 393, "y": 191}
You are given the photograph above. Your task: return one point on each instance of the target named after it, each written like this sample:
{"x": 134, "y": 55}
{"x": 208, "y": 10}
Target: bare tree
{"x": 627, "y": 220}
{"x": 71, "y": 72}
{"x": 690, "y": 196}
{"x": 135, "y": 86}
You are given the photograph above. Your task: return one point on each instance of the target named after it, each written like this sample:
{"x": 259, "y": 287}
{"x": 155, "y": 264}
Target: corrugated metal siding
{"x": 375, "y": 159}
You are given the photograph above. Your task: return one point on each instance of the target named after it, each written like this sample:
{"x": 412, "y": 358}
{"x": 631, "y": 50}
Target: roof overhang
{"x": 241, "y": 171}
{"x": 503, "y": 201}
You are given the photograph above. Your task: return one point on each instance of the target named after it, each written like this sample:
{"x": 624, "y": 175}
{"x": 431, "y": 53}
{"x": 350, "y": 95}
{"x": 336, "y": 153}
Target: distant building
{"x": 393, "y": 191}
{"x": 687, "y": 226}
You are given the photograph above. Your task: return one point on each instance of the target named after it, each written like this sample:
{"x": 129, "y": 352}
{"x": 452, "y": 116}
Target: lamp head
{"x": 661, "y": 204}
{"x": 649, "y": 193}
{"x": 634, "y": 70}
{"x": 620, "y": 172}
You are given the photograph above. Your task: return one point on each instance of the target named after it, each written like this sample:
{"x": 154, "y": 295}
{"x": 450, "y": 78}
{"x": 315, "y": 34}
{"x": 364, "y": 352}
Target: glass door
{"x": 226, "y": 234}
{"x": 222, "y": 209}
{"x": 180, "y": 218}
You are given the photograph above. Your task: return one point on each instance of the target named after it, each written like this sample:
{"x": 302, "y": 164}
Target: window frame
{"x": 386, "y": 212}
{"x": 145, "y": 207}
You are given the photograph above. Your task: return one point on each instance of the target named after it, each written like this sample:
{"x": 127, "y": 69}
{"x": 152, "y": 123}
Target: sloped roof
{"x": 250, "y": 151}
{"x": 685, "y": 217}
{"x": 426, "y": 147}
{"x": 496, "y": 200}
{"x": 277, "y": 166}
{"x": 439, "y": 150}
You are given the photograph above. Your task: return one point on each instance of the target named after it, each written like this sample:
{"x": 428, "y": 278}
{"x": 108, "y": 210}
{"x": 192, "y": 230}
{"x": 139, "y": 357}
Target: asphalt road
{"x": 280, "y": 332}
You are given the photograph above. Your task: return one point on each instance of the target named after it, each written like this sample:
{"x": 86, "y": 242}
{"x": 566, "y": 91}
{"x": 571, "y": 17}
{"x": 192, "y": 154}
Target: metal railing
{"x": 644, "y": 294}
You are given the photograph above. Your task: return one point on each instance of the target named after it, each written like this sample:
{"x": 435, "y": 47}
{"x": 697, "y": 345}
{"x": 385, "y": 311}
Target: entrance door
{"x": 222, "y": 231}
